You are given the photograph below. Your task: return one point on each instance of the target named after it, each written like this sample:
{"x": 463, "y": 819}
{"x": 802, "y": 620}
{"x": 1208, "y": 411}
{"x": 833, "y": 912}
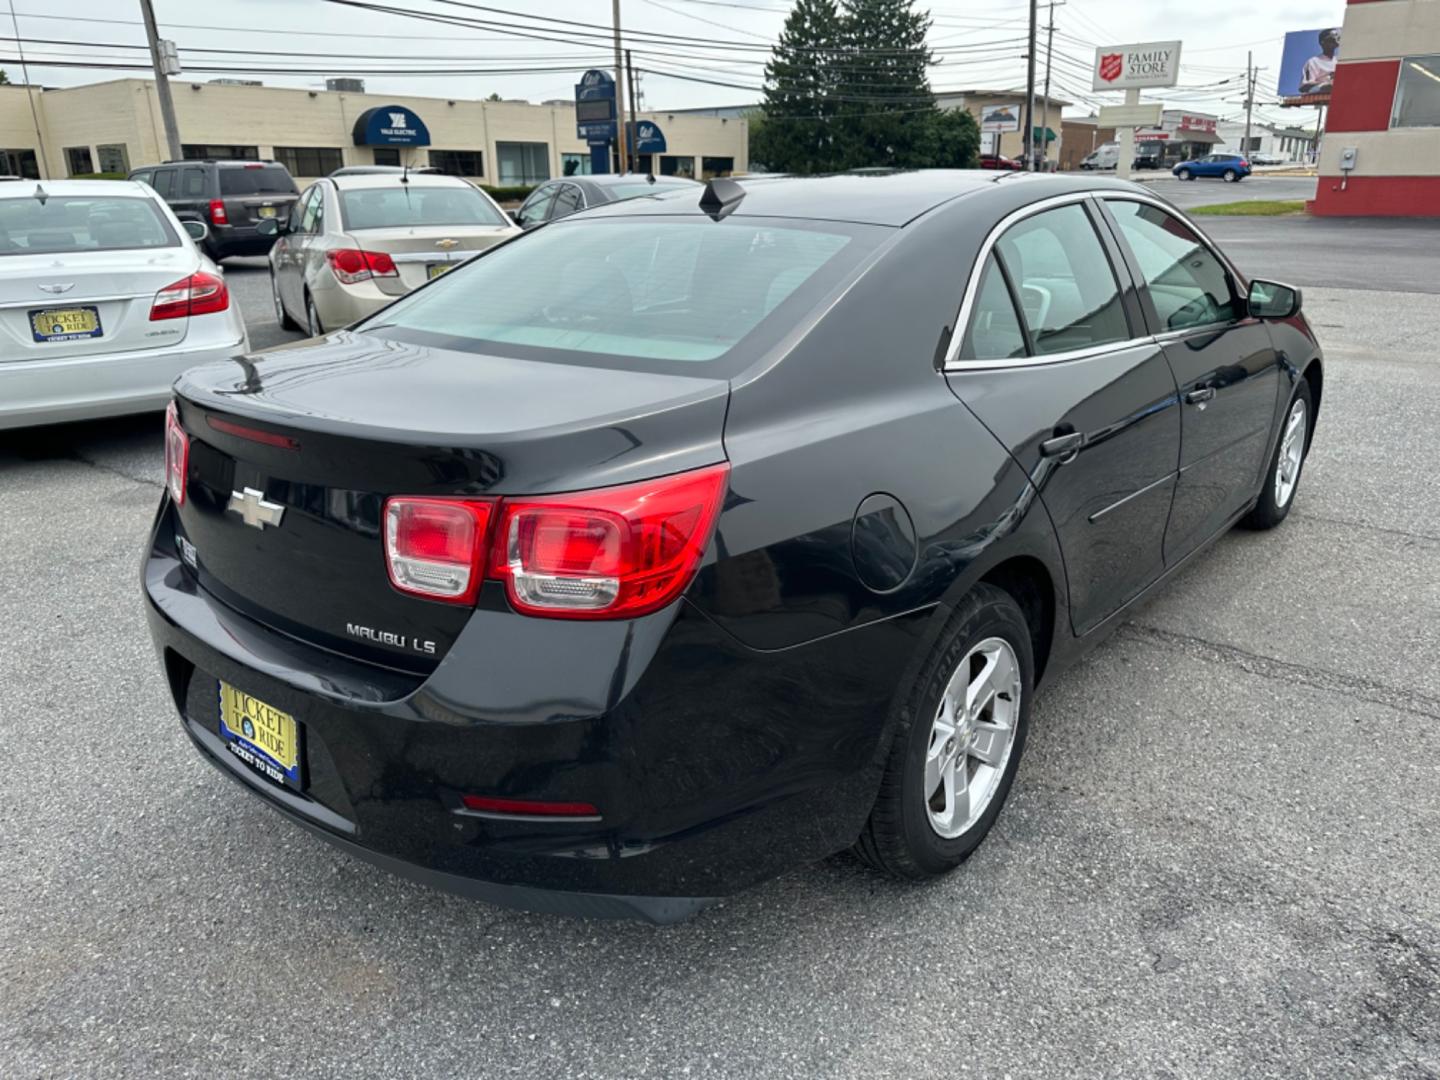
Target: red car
{"x": 999, "y": 161}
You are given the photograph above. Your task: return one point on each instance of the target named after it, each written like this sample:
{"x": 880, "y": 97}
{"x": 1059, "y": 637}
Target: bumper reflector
{"x": 486, "y": 804}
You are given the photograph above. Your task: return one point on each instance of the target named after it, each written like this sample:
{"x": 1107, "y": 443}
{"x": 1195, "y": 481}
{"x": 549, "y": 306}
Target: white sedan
{"x": 104, "y": 300}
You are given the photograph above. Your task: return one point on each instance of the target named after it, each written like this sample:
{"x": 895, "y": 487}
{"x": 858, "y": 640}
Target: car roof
{"x": 356, "y": 181}
{"x": 604, "y": 180}
{"x": 889, "y": 197}
{"x": 24, "y": 190}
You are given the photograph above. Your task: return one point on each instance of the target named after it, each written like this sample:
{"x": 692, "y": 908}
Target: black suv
{"x": 232, "y": 197}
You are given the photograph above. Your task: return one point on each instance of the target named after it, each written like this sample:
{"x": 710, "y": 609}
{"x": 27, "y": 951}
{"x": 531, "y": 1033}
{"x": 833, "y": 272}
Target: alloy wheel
{"x": 1231, "y": 176}
{"x": 971, "y": 737}
{"x": 1292, "y": 454}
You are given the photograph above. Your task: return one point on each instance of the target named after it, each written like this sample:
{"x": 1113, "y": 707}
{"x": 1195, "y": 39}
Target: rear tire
{"x": 1282, "y": 478}
{"x": 281, "y": 315}
{"x": 1185, "y": 174}
{"x": 970, "y": 707}
{"x": 1231, "y": 176}
{"x": 312, "y": 317}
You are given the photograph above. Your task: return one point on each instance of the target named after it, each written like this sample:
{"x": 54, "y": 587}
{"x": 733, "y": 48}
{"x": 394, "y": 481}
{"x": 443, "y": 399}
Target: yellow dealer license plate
{"x": 260, "y": 735}
{"x": 436, "y": 269}
{"x": 267, "y": 211}
{"x": 65, "y": 324}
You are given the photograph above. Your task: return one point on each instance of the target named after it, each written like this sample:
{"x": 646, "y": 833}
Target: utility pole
{"x": 1045, "y": 106}
{"x": 42, "y": 166}
{"x": 165, "y": 64}
{"x": 1030, "y": 90}
{"x": 1249, "y": 99}
{"x": 634, "y": 130}
{"x": 622, "y": 141}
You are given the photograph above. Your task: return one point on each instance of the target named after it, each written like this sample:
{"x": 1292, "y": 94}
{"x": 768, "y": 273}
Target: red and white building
{"x": 1386, "y": 108}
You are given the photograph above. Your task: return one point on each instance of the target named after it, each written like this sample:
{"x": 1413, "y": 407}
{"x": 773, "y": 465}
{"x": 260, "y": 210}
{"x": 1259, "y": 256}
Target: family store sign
{"x": 1129, "y": 67}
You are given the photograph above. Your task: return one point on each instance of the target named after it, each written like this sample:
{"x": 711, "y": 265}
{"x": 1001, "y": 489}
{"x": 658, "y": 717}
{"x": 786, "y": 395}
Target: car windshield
{"x": 402, "y": 205}
{"x": 256, "y": 180}
{"x": 66, "y": 223}
{"x": 644, "y": 187}
{"x": 641, "y": 288}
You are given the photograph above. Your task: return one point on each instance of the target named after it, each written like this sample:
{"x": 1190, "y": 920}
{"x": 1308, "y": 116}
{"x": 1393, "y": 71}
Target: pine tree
{"x": 796, "y": 134}
{"x": 888, "y": 110}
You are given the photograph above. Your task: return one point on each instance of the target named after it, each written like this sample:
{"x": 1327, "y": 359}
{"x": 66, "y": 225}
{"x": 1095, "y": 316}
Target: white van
{"x": 1106, "y": 157}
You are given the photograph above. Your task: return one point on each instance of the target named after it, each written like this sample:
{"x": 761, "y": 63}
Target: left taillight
{"x": 199, "y": 294}
{"x": 609, "y": 553}
{"x": 177, "y": 454}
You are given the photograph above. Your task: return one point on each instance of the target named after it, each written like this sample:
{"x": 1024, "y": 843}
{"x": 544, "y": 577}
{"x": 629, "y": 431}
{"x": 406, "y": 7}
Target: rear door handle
{"x": 1064, "y": 447}
{"x": 1200, "y": 395}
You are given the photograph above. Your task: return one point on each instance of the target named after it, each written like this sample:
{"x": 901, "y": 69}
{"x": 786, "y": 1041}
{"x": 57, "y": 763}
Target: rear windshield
{"x": 400, "y": 205}
{"x": 645, "y": 288}
{"x": 64, "y": 223}
{"x": 645, "y": 187}
{"x": 256, "y": 180}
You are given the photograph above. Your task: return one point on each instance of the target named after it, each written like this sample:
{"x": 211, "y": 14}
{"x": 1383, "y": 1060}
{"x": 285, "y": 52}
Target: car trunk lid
{"x": 294, "y": 453}
{"x": 88, "y": 302}
{"x": 423, "y": 252}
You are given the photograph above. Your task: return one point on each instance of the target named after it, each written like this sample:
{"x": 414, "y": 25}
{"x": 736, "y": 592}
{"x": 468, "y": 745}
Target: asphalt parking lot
{"x": 1210, "y": 191}
{"x": 1220, "y": 857}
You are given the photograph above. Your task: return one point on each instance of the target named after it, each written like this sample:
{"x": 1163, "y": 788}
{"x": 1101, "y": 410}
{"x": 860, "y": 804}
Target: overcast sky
{"x": 981, "y": 42}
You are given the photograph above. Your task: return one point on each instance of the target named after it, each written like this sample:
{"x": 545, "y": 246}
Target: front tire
{"x": 957, "y": 744}
{"x": 1286, "y": 464}
{"x": 1185, "y": 174}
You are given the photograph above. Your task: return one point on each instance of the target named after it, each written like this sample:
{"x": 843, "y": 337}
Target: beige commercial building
{"x": 1010, "y": 143}
{"x": 112, "y": 127}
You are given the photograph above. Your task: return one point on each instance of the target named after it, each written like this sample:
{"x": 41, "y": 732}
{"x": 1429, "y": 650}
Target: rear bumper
{"x": 67, "y": 389}
{"x": 713, "y": 766}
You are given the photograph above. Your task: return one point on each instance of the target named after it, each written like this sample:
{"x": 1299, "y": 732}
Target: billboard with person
{"x": 1307, "y": 66}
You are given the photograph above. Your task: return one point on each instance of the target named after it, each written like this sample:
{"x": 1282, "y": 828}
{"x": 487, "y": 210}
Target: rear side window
{"x": 994, "y": 332}
{"x": 406, "y": 205}
{"x": 1064, "y": 281}
{"x": 661, "y": 291}
{"x": 192, "y": 183}
{"x": 64, "y": 224}
{"x": 256, "y": 180}
{"x": 1187, "y": 284}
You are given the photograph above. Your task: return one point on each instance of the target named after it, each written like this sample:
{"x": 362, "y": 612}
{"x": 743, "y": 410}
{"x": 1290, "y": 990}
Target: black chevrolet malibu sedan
{"x": 695, "y": 537}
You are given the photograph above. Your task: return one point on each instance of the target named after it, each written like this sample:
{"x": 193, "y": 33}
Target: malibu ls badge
{"x": 254, "y": 510}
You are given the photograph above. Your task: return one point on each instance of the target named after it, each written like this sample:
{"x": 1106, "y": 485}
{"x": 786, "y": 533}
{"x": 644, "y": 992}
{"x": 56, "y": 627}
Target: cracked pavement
{"x": 1221, "y": 856}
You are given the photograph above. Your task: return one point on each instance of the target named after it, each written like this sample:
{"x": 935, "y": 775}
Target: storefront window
{"x": 523, "y": 162}
{"x": 77, "y": 160}
{"x": 386, "y": 155}
{"x": 459, "y": 162}
{"x": 20, "y": 163}
{"x": 671, "y": 165}
{"x": 114, "y": 158}
{"x": 1417, "y": 95}
{"x": 574, "y": 164}
{"x": 716, "y": 166}
{"x": 309, "y": 160}
{"x": 215, "y": 152}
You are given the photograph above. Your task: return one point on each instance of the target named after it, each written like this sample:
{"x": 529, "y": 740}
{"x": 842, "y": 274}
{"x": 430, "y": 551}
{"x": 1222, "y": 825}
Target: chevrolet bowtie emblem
{"x": 447, "y": 244}
{"x": 57, "y": 288}
{"x": 254, "y": 510}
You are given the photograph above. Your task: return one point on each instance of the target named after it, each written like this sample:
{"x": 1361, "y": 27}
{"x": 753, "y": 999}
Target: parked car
{"x": 1268, "y": 159}
{"x": 1103, "y": 158}
{"x": 999, "y": 161}
{"x": 556, "y": 199}
{"x": 355, "y": 243}
{"x": 681, "y": 541}
{"x": 1231, "y": 168}
{"x": 104, "y": 299}
{"x": 232, "y": 197}
{"x": 1149, "y": 155}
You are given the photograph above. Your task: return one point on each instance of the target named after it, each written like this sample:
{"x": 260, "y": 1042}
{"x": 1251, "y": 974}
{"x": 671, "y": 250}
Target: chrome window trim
{"x": 972, "y": 289}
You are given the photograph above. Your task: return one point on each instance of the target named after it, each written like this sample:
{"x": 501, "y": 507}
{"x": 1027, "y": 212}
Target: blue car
{"x": 1231, "y": 168}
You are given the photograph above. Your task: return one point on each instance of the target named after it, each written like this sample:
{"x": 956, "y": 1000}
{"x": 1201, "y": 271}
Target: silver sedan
{"x": 355, "y": 243}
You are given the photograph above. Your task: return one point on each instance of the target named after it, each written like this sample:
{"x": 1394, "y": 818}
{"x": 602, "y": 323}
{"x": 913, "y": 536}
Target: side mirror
{"x": 198, "y": 230}
{"x": 515, "y": 217}
{"x": 268, "y": 227}
{"x": 1271, "y": 300}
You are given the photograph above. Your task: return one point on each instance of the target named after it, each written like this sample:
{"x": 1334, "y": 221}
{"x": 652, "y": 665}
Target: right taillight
{"x": 350, "y": 265}
{"x": 610, "y": 553}
{"x": 177, "y": 454}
